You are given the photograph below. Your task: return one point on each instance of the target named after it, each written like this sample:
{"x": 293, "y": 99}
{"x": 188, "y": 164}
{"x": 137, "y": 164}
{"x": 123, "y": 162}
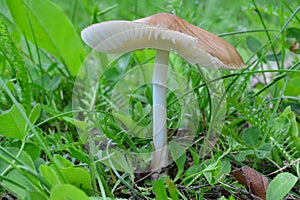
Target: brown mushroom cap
{"x": 167, "y": 32}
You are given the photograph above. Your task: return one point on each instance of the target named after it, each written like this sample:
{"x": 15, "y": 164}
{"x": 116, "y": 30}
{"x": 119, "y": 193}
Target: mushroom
{"x": 163, "y": 32}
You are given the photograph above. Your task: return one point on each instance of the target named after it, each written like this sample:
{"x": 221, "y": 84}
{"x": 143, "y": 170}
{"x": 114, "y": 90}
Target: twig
{"x": 245, "y": 192}
{"x": 286, "y": 166}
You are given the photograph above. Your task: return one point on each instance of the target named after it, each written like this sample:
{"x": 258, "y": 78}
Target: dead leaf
{"x": 254, "y": 182}
{"x": 295, "y": 47}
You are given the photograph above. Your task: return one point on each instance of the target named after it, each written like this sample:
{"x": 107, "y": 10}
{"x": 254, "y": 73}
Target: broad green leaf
{"x": 52, "y": 30}
{"x": 62, "y": 162}
{"x": 106, "y": 198}
{"x": 38, "y": 162}
{"x": 19, "y": 184}
{"x": 195, "y": 155}
{"x": 75, "y": 176}
{"x": 212, "y": 172}
{"x": 79, "y": 155}
{"x": 263, "y": 150}
{"x": 139, "y": 107}
{"x": 292, "y": 88}
{"x": 130, "y": 124}
{"x": 12, "y": 123}
{"x": 148, "y": 94}
{"x": 33, "y": 150}
{"x": 49, "y": 174}
{"x": 225, "y": 167}
{"x": 179, "y": 156}
{"x": 281, "y": 185}
{"x": 159, "y": 189}
{"x": 115, "y": 159}
{"x": 242, "y": 155}
{"x": 34, "y": 195}
{"x": 291, "y": 117}
{"x": 253, "y": 44}
{"x": 250, "y": 136}
{"x": 49, "y": 84}
{"x": 273, "y": 57}
{"x": 23, "y": 158}
{"x": 293, "y": 33}
{"x": 287, "y": 121}
{"x": 78, "y": 177}
{"x": 16, "y": 181}
{"x": 35, "y": 113}
{"x": 67, "y": 192}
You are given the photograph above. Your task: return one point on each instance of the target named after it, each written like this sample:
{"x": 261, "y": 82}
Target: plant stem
{"x": 160, "y": 154}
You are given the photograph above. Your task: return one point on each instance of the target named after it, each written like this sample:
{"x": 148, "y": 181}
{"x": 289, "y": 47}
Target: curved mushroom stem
{"x": 160, "y": 154}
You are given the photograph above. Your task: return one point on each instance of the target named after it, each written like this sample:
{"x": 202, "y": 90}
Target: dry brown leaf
{"x": 295, "y": 47}
{"x": 254, "y": 182}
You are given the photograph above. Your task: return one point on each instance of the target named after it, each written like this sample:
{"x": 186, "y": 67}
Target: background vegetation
{"x": 43, "y": 157}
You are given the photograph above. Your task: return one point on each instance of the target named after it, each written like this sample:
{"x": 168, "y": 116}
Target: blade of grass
{"x": 246, "y": 31}
{"x": 13, "y": 182}
{"x": 291, "y": 10}
{"x": 282, "y": 34}
{"x": 267, "y": 32}
{"x": 31, "y": 127}
{"x": 38, "y": 56}
{"x": 278, "y": 78}
{"x": 122, "y": 179}
{"x": 100, "y": 182}
{"x": 15, "y": 157}
{"x": 236, "y": 75}
{"x": 23, "y": 168}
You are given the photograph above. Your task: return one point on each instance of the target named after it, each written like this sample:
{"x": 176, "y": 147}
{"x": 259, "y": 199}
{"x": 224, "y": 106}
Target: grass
{"x": 90, "y": 137}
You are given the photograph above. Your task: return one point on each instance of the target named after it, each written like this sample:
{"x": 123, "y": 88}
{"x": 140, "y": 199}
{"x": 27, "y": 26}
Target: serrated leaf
{"x": 172, "y": 189}
{"x": 52, "y": 30}
{"x": 281, "y": 185}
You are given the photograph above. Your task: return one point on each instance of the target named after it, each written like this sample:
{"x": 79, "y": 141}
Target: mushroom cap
{"x": 166, "y": 32}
